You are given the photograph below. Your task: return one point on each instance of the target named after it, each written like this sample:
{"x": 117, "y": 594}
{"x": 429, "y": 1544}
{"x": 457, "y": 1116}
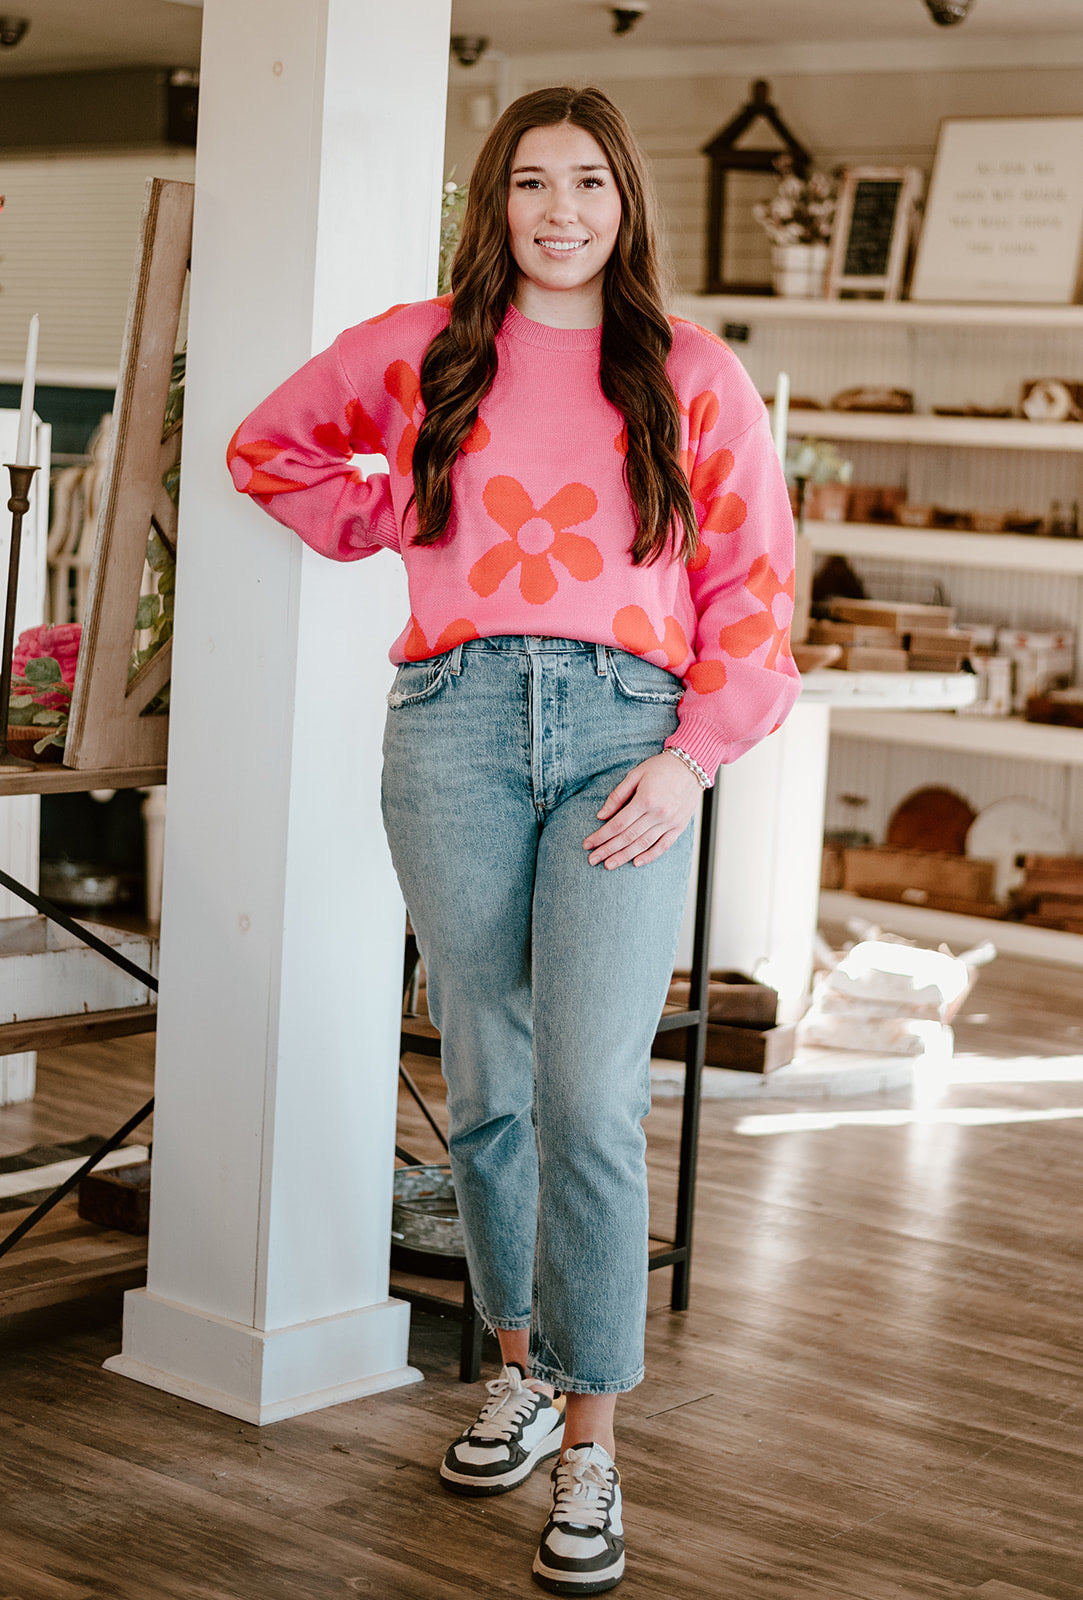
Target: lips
{"x": 565, "y": 247}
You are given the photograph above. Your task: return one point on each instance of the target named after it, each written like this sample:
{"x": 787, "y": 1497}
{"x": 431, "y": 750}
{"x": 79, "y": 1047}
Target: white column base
{"x": 258, "y": 1376}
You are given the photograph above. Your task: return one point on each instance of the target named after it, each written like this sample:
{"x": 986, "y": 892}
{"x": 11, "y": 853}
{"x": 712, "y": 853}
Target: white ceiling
{"x": 72, "y": 34}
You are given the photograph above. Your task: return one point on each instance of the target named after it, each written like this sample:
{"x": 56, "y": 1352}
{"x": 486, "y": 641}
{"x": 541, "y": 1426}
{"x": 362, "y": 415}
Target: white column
{"x": 767, "y": 870}
{"x": 318, "y": 182}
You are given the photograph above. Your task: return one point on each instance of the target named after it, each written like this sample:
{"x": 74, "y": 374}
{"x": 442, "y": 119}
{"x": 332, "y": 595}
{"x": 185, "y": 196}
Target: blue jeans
{"x": 546, "y": 976}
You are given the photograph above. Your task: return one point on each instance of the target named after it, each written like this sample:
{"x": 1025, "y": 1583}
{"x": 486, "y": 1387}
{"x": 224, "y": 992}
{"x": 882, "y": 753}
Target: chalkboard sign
{"x": 872, "y": 227}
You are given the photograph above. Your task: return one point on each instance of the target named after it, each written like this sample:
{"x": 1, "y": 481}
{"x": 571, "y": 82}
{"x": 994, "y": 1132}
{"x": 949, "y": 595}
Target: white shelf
{"x": 962, "y": 932}
{"x": 912, "y": 691}
{"x": 980, "y": 433}
{"x": 716, "y": 309}
{"x": 1005, "y": 551}
{"x": 989, "y": 736}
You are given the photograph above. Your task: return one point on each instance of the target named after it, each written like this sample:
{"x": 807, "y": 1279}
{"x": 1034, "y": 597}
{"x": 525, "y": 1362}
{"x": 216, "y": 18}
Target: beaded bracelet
{"x": 693, "y": 766}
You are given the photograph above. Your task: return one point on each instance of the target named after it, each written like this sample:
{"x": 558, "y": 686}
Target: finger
{"x": 621, "y": 852}
{"x": 625, "y": 819}
{"x": 616, "y": 797}
{"x": 657, "y": 849}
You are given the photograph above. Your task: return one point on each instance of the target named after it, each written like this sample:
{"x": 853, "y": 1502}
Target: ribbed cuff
{"x": 385, "y": 530}
{"x": 705, "y": 743}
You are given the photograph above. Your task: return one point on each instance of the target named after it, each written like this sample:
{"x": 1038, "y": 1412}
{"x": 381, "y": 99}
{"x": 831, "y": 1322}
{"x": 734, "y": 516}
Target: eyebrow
{"x": 588, "y": 166}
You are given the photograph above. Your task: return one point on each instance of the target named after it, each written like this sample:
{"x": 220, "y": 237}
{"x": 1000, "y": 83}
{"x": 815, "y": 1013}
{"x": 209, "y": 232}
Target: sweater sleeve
{"x": 743, "y": 681}
{"x": 294, "y": 453}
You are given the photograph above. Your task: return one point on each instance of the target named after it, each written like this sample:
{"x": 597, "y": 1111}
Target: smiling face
{"x": 564, "y": 212}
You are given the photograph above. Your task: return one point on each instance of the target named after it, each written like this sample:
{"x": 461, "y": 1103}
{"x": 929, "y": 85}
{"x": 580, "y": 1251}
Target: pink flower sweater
{"x": 542, "y": 527}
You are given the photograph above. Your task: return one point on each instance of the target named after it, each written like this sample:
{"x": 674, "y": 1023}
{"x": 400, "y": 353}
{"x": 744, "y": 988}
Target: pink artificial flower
{"x": 62, "y": 643}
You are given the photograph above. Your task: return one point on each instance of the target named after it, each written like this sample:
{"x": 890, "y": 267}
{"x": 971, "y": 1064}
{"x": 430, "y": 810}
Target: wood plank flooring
{"x": 876, "y": 1394}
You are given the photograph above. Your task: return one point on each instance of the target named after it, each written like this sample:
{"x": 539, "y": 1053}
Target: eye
{"x": 593, "y": 183}
{"x": 528, "y": 183}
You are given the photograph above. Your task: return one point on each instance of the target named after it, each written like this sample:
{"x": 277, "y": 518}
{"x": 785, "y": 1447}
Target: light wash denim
{"x": 546, "y": 976}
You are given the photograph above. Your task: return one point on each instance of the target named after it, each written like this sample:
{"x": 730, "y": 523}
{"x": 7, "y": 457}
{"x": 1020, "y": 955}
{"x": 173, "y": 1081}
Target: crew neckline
{"x": 540, "y": 333}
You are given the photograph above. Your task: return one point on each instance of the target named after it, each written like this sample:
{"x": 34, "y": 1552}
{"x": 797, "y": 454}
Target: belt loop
{"x": 601, "y": 659}
{"x": 456, "y": 661}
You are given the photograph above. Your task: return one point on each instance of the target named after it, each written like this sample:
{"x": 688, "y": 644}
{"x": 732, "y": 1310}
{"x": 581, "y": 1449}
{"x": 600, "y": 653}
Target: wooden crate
{"x": 743, "y": 1049}
{"x": 889, "y": 614}
{"x": 732, "y": 997}
{"x": 885, "y": 873}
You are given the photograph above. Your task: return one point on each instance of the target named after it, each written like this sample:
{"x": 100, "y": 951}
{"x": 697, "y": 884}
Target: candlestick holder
{"x": 19, "y": 504}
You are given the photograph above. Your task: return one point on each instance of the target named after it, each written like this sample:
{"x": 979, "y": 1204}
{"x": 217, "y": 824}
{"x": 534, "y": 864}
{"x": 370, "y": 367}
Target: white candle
{"x": 26, "y": 408}
{"x": 780, "y": 419}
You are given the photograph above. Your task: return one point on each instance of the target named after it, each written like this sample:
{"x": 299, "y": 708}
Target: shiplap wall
{"x": 842, "y": 118}
{"x": 68, "y": 235}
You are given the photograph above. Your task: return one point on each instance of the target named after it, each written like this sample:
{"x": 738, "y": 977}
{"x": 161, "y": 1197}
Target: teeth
{"x": 562, "y": 244}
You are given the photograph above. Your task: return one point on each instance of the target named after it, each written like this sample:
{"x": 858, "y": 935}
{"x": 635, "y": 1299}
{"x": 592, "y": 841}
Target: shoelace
{"x": 580, "y": 1482}
{"x": 510, "y": 1403}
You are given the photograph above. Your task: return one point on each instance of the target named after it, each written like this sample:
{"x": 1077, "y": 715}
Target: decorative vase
{"x": 799, "y": 270}
{"x": 827, "y": 502}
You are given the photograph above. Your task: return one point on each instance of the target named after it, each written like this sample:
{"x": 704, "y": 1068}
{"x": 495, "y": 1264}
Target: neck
{"x": 573, "y": 308}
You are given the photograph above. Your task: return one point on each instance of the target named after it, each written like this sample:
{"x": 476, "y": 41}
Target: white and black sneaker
{"x": 582, "y": 1544}
{"x": 515, "y": 1429}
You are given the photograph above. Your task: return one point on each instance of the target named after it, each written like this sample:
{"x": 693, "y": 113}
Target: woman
{"x": 599, "y": 550}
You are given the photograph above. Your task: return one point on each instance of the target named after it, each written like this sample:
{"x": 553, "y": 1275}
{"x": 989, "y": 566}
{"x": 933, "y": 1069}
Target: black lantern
{"x": 725, "y": 157}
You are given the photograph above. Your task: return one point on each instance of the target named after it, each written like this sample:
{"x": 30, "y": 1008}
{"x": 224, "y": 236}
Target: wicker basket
{"x": 21, "y": 742}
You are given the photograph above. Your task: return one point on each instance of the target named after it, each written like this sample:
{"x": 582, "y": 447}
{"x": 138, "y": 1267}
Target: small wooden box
{"x": 854, "y": 633}
{"x": 732, "y": 997}
{"x": 743, "y": 1049}
{"x": 891, "y": 614}
{"x": 867, "y": 658}
{"x": 884, "y": 873}
{"x": 118, "y": 1199}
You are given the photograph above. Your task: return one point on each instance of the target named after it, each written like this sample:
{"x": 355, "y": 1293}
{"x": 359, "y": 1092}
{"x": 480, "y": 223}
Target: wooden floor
{"x": 876, "y": 1394}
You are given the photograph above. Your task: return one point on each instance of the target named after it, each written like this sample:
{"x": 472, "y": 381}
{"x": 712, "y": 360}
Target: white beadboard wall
{"x": 68, "y": 235}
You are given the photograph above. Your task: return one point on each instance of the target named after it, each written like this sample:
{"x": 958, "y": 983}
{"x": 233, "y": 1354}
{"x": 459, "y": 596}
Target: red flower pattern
{"x": 416, "y": 647}
{"x": 510, "y": 506}
{"x": 361, "y": 435}
{"x": 259, "y": 484}
{"x": 403, "y": 384}
{"x": 742, "y": 638}
{"x": 634, "y": 632}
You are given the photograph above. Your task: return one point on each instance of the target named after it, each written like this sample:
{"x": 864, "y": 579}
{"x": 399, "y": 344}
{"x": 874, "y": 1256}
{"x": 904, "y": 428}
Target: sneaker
{"x": 515, "y": 1430}
{"x": 582, "y": 1544}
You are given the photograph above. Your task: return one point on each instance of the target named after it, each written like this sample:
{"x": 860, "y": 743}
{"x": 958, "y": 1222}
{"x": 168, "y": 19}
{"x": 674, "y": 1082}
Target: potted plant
{"x": 821, "y": 478}
{"x": 798, "y": 221}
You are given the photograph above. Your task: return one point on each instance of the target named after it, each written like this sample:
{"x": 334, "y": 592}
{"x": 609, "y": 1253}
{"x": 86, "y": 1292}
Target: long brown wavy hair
{"x": 460, "y": 363}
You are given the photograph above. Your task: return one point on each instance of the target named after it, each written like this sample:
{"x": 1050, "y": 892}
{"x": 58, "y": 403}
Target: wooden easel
{"x": 107, "y": 728}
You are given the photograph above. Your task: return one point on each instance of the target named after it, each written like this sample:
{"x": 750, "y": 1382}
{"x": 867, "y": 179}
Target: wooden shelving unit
{"x": 937, "y": 350}
{"x": 1010, "y": 552}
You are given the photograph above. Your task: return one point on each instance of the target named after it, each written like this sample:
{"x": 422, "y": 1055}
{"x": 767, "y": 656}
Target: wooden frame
{"x": 1004, "y": 219}
{"x": 873, "y": 223}
{"x": 106, "y": 727}
{"x": 726, "y": 158}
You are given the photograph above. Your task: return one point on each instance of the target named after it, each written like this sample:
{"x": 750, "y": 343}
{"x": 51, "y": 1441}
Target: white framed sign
{"x": 1004, "y": 219}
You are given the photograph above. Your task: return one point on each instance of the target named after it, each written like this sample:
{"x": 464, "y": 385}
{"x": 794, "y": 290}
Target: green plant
{"x": 41, "y": 677}
{"x": 816, "y": 461}
{"x": 452, "y": 211}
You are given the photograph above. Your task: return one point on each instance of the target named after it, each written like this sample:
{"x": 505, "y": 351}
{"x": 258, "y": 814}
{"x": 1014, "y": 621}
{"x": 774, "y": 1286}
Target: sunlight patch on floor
{"x": 959, "y": 1116}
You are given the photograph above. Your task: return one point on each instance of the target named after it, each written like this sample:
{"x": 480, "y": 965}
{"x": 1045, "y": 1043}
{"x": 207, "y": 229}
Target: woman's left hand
{"x": 645, "y": 814}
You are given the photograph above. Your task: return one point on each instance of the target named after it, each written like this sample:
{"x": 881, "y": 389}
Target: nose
{"x": 561, "y": 208}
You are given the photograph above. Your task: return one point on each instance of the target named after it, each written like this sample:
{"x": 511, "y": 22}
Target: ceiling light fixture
{"x": 627, "y": 15}
{"x": 468, "y": 48}
{"x": 945, "y": 12}
{"x": 13, "y": 30}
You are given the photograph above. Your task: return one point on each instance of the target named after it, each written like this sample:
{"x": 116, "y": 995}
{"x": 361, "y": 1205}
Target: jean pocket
{"x": 637, "y": 679}
{"x": 418, "y": 680}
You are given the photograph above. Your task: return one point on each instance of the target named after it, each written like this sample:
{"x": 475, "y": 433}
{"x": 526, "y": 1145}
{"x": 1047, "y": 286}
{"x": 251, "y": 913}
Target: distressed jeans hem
{"x": 561, "y": 1380}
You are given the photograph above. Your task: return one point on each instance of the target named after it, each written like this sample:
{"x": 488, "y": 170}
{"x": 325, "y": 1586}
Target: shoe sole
{"x": 462, "y": 1483}
{"x": 561, "y": 1583}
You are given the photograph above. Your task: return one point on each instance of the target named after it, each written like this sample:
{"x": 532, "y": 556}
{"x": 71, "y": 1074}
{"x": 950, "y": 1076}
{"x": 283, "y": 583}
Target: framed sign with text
{"x": 873, "y": 223}
{"x": 1004, "y": 219}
